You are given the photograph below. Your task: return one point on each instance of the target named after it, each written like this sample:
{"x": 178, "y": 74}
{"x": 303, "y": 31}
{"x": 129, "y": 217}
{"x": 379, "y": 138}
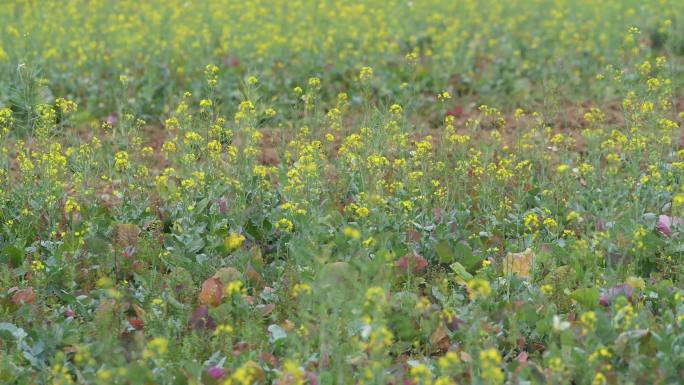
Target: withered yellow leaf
{"x": 519, "y": 263}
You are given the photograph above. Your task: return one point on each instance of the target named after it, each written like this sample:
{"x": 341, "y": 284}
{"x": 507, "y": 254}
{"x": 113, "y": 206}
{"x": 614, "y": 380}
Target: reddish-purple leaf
{"x": 216, "y": 372}
{"x": 223, "y": 205}
{"x": 414, "y": 262}
{"x": 665, "y": 224}
{"x": 600, "y": 224}
{"x": 615, "y": 291}
{"x": 311, "y": 376}
{"x": 453, "y": 323}
{"x": 201, "y": 319}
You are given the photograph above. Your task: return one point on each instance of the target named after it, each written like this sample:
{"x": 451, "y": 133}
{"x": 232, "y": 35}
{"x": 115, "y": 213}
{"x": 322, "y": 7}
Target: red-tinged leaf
{"x": 665, "y": 224}
{"x": 615, "y": 291}
{"x": 223, "y": 205}
{"x": 456, "y": 111}
{"x": 601, "y": 224}
{"x": 522, "y": 342}
{"x": 254, "y": 277}
{"x": 413, "y": 235}
{"x": 325, "y": 361}
{"x": 239, "y": 347}
{"x": 201, "y": 320}
{"x": 24, "y": 296}
{"x": 439, "y": 339}
{"x": 231, "y": 61}
{"x": 313, "y": 379}
{"x": 212, "y": 292}
{"x": 539, "y": 347}
{"x": 136, "y": 323}
{"x": 269, "y": 359}
{"x": 414, "y": 262}
{"x": 265, "y": 310}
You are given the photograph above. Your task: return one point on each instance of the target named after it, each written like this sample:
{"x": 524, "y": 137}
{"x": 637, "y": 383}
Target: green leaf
{"x": 461, "y": 271}
{"x": 201, "y": 205}
{"x": 587, "y": 297}
{"x": 638, "y": 338}
{"x": 255, "y": 231}
{"x": 97, "y": 244}
{"x": 12, "y": 255}
{"x": 444, "y": 252}
{"x": 277, "y": 333}
{"x": 10, "y": 331}
{"x": 465, "y": 255}
{"x": 66, "y": 296}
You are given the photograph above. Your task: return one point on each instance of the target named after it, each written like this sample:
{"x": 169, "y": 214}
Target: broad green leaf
{"x": 587, "y": 297}
{"x": 444, "y": 252}
{"x": 12, "y": 332}
{"x": 461, "y": 272}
